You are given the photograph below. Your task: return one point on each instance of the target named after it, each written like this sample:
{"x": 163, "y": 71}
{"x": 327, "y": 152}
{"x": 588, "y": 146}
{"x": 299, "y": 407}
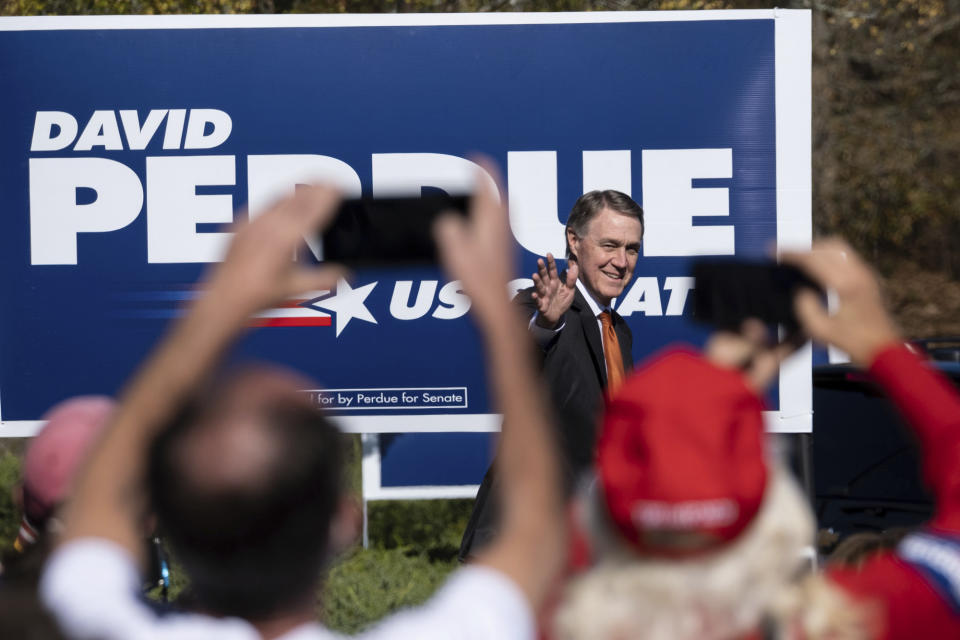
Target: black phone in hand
{"x": 388, "y": 231}
{"x": 728, "y": 291}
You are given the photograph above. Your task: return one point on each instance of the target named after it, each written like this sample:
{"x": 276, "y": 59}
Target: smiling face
{"x": 607, "y": 253}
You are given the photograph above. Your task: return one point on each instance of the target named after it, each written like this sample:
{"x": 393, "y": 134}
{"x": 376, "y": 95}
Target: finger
{"x": 809, "y": 264}
{"x": 241, "y": 219}
{"x": 834, "y": 244}
{"x": 783, "y": 351}
{"x": 767, "y": 361}
{"x": 485, "y": 205}
{"x": 492, "y": 174}
{"x": 729, "y": 349}
{"x": 275, "y": 210}
{"x": 573, "y": 272}
{"x": 552, "y": 266}
{"x": 317, "y": 206}
{"x": 774, "y": 356}
{"x": 763, "y": 369}
{"x": 542, "y": 268}
{"x": 488, "y": 210}
{"x": 543, "y": 303}
{"x": 813, "y": 315}
{"x": 309, "y": 209}
{"x": 540, "y": 285}
{"x": 450, "y": 233}
{"x": 824, "y": 263}
{"x": 755, "y": 332}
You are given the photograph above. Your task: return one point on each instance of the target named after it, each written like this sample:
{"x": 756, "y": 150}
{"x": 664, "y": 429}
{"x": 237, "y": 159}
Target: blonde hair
{"x": 720, "y": 595}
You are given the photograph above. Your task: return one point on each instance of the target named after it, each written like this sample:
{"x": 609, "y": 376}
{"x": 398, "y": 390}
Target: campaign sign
{"x": 129, "y": 143}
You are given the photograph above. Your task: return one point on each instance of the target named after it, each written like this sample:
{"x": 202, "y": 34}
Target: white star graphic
{"x": 347, "y": 303}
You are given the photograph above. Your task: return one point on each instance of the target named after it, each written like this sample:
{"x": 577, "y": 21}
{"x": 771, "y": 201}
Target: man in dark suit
{"x": 585, "y": 345}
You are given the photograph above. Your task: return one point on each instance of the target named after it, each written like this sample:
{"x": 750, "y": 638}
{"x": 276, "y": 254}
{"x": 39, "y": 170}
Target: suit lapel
{"x": 625, "y": 339}
{"x": 591, "y": 332}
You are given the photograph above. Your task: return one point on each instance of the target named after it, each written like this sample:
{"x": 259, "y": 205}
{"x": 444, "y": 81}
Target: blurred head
{"x": 682, "y": 473}
{"x": 246, "y": 486}
{"x": 727, "y": 592}
{"x": 603, "y": 236}
{"x": 54, "y": 458}
{"x": 695, "y": 536}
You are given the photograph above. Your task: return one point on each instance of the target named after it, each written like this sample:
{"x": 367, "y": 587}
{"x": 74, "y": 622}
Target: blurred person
{"x": 52, "y": 461}
{"x": 586, "y": 348}
{"x": 50, "y": 464}
{"x": 692, "y": 532}
{"x": 856, "y": 549}
{"x": 50, "y": 467}
{"x": 247, "y": 476}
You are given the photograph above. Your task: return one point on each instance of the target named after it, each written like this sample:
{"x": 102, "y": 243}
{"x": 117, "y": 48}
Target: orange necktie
{"x": 611, "y": 354}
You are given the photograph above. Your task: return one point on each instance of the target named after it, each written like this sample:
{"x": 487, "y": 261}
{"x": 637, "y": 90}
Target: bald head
{"x": 232, "y": 444}
{"x": 246, "y": 482}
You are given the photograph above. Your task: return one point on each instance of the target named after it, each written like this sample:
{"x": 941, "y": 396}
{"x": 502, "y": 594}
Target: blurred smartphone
{"x": 388, "y": 231}
{"x": 727, "y": 292}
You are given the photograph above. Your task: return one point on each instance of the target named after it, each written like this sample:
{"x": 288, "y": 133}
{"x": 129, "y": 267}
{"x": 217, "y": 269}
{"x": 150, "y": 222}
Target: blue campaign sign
{"x": 127, "y": 144}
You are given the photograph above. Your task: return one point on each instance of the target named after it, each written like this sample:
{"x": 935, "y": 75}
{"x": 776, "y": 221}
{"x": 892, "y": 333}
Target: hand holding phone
{"x": 388, "y": 231}
{"x": 729, "y": 291}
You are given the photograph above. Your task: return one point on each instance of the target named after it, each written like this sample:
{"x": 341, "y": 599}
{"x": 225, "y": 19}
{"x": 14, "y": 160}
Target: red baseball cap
{"x": 681, "y": 455}
{"x": 56, "y": 453}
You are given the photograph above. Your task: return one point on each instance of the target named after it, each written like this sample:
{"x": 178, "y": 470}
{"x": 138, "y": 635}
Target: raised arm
{"x": 861, "y": 325}
{"x": 257, "y": 273}
{"x": 530, "y": 547}
{"x": 863, "y": 328}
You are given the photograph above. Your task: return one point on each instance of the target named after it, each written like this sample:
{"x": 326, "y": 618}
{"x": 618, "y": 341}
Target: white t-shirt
{"x": 91, "y": 586}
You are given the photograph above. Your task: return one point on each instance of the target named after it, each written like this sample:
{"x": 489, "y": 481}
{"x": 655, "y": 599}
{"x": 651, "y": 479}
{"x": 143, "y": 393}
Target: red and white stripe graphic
{"x": 294, "y": 313}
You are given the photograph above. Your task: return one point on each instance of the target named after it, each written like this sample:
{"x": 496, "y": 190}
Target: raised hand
{"x": 749, "y": 351}
{"x": 258, "y": 270}
{"x": 861, "y": 326}
{"x": 553, "y": 294}
{"x": 478, "y": 251}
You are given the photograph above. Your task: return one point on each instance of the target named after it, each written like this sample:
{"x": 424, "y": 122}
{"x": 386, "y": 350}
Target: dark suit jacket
{"x": 575, "y": 372}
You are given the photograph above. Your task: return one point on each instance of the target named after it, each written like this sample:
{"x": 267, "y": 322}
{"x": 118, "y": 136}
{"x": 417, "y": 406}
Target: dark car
{"x": 866, "y": 465}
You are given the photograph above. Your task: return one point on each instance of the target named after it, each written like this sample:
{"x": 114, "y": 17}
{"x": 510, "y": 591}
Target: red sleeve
{"x": 931, "y": 406}
{"x": 901, "y": 604}
{"x": 910, "y": 604}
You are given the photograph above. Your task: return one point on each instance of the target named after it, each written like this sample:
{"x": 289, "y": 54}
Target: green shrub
{"x": 413, "y": 548}
{"x": 369, "y": 584}
{"x": 9, "y": 514}
{"x": 433, "y": 527}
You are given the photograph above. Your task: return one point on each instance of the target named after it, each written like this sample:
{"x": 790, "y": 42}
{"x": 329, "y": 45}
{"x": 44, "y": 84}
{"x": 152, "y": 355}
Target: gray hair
{"x": 591, "y": 203}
